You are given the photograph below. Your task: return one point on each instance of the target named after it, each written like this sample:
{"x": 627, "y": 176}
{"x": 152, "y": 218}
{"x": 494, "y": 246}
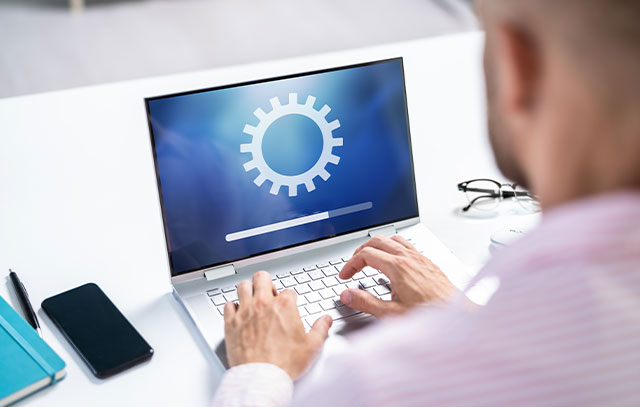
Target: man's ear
{"x": 519, "y": 68}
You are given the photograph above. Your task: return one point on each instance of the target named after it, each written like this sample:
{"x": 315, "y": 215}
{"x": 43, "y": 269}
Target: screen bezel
{"x": 273, "y": 79}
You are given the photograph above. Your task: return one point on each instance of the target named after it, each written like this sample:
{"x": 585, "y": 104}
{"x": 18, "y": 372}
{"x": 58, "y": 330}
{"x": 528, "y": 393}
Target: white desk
{"x": 79, "y": 203}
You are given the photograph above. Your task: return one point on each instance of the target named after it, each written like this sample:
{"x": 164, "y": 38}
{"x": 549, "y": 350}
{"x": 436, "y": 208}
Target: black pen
{"x": 30, "y": 315}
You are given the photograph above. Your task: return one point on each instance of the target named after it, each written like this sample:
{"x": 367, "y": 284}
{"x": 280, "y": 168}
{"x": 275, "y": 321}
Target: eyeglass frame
{"x": 501, "y": 194}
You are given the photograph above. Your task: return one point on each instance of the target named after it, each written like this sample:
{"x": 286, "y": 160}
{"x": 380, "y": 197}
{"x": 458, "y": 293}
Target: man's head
{"x": 563, "y": 87}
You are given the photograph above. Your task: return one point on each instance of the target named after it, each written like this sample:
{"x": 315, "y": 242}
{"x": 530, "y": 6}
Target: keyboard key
{"x": 278, "y": 285}
{"x": 386, "y": 297}
{"x": 296, "y": 272}
{"x": 322, "y": 265}
{"x": 327, "y": 293}
{"x": 316, "y": 285}
{"x": 339, "y": 289}
{"x": 370, "y": 291}
{"x": 381, "y": 279}
{"x": 369, "y": 272}
{"x": 302, "y": 278}
{"x": 221, "y": 310}
{"x": 288, "y": 282}
{"x": 313, "y": 308}
{"x": 338, "y": 302}
{"x": 232, "y": 296}
{"x": 218, "y": 300}
{"x": 228, "y": 288}
{"x": 302, "y": 289}
{"x": 359, "y": 275}
{"x": 316, "y": 274}
{"x": 330, "y": 281}
{"x": 346, "y": 259}
{"x": 303, "y": 312}
{"x": 327, "y": 305}
{"x": 273, "y": 278}
{"x": 381, "y": 290}
{"x": 302, "y": 300}
{"x": 214, "y": 291}
{"x": 313, "y": 297}
{"x": 352, "y": 284}
{"x": 283, "y": 275}
{"x": 330, "y": 271}
{"x": 342, "y": 312}
{"x": 368, "y": 282}
{"x": 309, "y": 268}
{"x": 334, "y": 262}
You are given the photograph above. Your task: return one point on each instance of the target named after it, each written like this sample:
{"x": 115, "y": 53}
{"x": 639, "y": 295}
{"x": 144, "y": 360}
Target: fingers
{"x": 368, "y": 256}
{"x": 320, "y": 329}
{"x": 404, "y": 242}
{"x": 262, "y": 285}
{"x": 230, "y": 310}
{"x": 383, "y": 243}
{"x": 365, "y": 302}
{"x": 288, "y": 298}
{"x": 245, "y": 292}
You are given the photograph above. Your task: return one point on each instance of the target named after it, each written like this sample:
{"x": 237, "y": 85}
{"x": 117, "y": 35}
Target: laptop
{"x": 289, "y": 175}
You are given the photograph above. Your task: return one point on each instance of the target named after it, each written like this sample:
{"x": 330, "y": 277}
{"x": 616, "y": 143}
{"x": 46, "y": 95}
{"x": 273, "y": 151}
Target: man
{"x": 564, "y": 327}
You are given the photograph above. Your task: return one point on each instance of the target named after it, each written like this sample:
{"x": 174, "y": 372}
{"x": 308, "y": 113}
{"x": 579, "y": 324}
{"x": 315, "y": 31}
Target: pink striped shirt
{"x": 562, "y": 330}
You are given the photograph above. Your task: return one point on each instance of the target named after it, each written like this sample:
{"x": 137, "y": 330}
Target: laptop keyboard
{"x": 319, "y": 288}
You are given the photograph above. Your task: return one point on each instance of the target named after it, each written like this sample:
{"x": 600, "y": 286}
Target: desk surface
{"x": 79, "y": 203}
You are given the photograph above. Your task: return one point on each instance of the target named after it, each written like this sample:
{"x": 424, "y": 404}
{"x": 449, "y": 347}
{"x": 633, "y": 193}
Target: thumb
{"x": 365, "y": 302}
{"x": 320, "y": 329}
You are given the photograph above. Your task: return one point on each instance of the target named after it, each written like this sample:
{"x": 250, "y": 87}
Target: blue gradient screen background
{"x": 207, "y": 193}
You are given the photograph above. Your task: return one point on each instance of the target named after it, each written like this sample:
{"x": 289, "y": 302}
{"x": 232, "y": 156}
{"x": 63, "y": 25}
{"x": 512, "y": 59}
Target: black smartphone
{"x": 98, "y": 331}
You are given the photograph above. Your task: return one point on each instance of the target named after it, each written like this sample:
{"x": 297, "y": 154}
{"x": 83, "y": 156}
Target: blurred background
{"x": 49, "y": 45}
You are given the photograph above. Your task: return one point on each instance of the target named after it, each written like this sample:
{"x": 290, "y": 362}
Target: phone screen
{"x": 98, "y": 331}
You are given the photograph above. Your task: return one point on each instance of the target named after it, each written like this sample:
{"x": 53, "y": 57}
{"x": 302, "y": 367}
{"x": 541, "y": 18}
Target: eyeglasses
{"x": 486, "y": 194}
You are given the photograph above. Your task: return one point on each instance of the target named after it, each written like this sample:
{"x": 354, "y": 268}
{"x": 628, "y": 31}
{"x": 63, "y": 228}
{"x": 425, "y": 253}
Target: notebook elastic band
{"x": 29, "y": 349}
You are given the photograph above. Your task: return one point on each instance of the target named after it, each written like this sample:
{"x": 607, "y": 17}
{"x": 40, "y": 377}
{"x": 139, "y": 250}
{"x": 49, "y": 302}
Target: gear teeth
{"x": 259, "y": 113}
{"x": 324, "y": 174}
{"x": 325, "y": 110}
{"x": 249, "y": 165}
{"x": 275, "y": 102}
{"x": 278, "y": 110}
{"x": 250, "y": 130}
{"x": 310, "y": 101}
{"x": 310, "y": 185}
{"x": 260, "y": 179}
{"x": 275, "y": 188}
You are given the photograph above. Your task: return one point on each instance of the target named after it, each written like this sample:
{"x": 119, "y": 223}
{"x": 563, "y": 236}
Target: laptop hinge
{"x": 384, "y": 231}
{"x": 219, "y": 272}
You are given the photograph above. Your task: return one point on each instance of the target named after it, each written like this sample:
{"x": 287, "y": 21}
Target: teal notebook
{"x": 27, "y": 363}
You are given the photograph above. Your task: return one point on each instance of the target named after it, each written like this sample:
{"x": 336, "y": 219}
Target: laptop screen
{"x": 256, "y": 167}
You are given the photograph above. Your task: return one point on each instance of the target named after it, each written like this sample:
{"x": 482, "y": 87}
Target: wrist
{"x": 255, "y": 383}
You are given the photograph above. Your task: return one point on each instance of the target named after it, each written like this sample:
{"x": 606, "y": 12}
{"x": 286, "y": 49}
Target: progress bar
{"x": 297, "y": 221}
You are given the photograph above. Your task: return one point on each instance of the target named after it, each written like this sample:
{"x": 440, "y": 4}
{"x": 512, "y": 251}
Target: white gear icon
{"x": 266, "y": 119}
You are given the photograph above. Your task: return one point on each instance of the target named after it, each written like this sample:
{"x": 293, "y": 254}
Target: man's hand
{"x": 414, "y": 278}
{"x": 266, "y": 327}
